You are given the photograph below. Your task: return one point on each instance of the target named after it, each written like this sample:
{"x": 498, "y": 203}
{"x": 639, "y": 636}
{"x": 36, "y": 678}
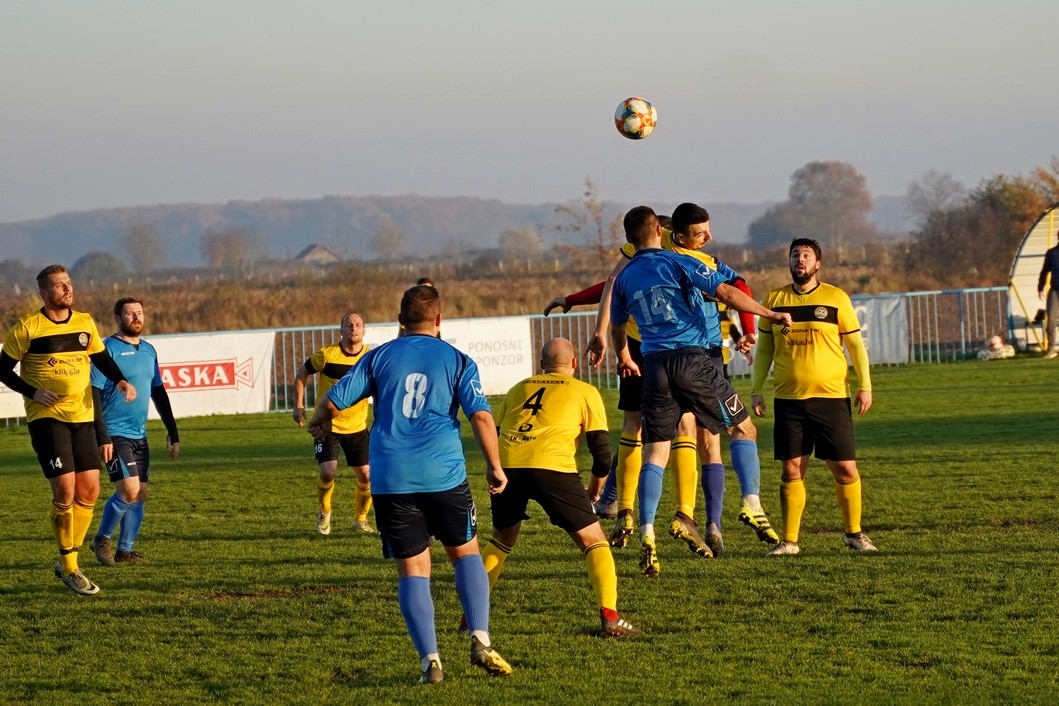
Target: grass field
{"x": 241, "y": 601}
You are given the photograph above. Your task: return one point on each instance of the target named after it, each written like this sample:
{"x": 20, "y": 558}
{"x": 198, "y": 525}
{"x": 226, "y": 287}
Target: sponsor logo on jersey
{"x": 208, "y": 375}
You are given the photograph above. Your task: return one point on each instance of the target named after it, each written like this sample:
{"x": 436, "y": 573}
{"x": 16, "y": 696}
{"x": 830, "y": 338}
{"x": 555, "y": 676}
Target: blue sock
{"x": 713, "y": 488}
{"x": 130, "y": 527}
{"x": 472, "y": 586}
{"x": 610, "y": 488}
{"x": 417, "y": 607}
{"x": 747, "y": 466}
{"x": 113, "y": 512}
{"x": 649, "y": 492}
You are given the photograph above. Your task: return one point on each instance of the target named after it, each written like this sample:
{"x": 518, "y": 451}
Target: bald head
{"x": 558, "y": 356}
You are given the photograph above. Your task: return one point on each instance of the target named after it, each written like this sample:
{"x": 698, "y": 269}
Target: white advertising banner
{"x": 216, "y": 373}
{"x": 501, "y": 347}
{"x": 223, "y": 373}
{"x": 884, "y": 327}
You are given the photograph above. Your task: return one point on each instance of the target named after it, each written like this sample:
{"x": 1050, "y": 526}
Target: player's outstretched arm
{"x": 597, "y": 345}
{"x": 484, "y": 427}
{"x": 741, "y": 302}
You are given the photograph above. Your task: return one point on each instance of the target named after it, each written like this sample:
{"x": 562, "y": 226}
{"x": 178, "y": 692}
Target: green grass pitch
{"x": 241, "y": 602}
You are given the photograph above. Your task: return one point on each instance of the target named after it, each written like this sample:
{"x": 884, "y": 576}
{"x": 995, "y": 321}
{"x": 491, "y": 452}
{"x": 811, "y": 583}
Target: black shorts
{"x": 407, "y": 521}
{"x": 823, "y": 423}
{"x": 561, "y": 495}
{"x": 64, "y": 447}
{"x": 686, "y": 380}
{"x": 630, "y": 389}
{"x": 131, "y": 458}
{"x": 354, "y": 445}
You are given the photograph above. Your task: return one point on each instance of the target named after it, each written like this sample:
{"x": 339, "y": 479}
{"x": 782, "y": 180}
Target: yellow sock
{"x": 61, "y": 519}
{"x": 601, "y": 575}
{"x": 325, "y": 490}
{"x": 82, "y": 520}
{"x": 362, "y": 501}
{"x": 848, "y": 496}
{"x": 493, "y": 556}
{"x": 686, "y": 467}
{"x": 629, "y": 459}
{"x": 792, "y": 503}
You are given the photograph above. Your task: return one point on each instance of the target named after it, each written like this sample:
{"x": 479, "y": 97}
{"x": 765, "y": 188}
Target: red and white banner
{"x": 209, "y": 373}
{"x": 216, "y": 373}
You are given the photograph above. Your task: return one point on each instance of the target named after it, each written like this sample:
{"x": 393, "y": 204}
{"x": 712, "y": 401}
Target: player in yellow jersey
{"x": 540, "y": 422}
{"x": 812, "y": 391}
{"x": 57, "y": 347}
{"x": 349, "y": 430}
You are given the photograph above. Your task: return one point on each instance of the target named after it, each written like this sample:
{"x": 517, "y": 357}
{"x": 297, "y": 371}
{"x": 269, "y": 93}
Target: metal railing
{"x": 953, "y": 324}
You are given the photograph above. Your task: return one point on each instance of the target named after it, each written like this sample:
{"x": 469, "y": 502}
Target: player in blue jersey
{"x": 123, "y": 435}
{"x": 662, "y": 292}
{"x": 418, "y": 474}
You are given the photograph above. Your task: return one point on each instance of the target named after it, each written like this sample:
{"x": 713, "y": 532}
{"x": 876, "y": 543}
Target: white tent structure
{"x": 1025, "y": 309}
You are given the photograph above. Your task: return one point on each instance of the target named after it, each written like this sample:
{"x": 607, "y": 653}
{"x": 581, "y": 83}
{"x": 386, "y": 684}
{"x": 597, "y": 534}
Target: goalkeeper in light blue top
{"x": 122, "y": 433}
{"x": 418, "y": 476}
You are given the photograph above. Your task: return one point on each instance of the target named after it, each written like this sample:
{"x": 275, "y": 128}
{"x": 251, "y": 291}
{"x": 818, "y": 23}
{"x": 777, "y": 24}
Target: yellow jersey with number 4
{"x": 542, "y": 418}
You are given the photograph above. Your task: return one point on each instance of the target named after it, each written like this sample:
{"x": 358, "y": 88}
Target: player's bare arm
{"x": 626, "y": 365}
{"x": 597, "y": 345}
{"x": 484, "y": 427}
{"x": 741, "y": 302}
{"x": 320, "y": 425}
{"x": 300, "y": 381}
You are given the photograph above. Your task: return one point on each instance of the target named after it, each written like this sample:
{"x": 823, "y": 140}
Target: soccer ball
{"x": 635, "y": 118}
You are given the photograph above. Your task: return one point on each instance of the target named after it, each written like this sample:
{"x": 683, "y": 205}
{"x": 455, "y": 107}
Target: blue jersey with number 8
{"x": 418, "y": 384}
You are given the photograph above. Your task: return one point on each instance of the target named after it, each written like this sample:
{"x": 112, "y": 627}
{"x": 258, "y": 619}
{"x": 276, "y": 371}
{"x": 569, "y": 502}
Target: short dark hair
{"x": 665, "y": 221}
{"x": 640, "y": 224}
{"x": 688, "y": 214}
{"x": 807, "y": 243}
{"x": 420, "y": 304}
{"x": 119, "y": 305}
{"x": 42, "y": 278}
{"x": 425, "y": 280}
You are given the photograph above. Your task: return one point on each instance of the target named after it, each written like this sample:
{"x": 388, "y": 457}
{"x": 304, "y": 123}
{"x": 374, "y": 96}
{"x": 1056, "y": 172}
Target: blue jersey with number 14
{"x": 418, "y": 383}
{"x": 662, "y": 292}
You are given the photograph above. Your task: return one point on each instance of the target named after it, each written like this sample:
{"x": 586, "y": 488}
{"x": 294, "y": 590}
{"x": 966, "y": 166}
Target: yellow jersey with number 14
{"x": 54, "y": 356}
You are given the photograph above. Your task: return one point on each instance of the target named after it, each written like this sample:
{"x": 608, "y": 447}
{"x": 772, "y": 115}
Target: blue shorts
{"x": 686, "y": 380}
{"x": 407, "y": 521}
{"x": 131, "y": 459}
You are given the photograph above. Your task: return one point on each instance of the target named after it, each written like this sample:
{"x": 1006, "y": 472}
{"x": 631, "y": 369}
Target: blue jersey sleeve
{"x": 469, "y": 388}
{"x": 727, "y": 272}
{"x": 354, "y": 385}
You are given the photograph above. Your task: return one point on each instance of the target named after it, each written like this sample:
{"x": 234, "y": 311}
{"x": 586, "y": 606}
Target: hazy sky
{"x": 116, "y": 103}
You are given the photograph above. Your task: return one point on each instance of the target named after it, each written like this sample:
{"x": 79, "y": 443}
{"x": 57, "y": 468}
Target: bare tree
{"x": 520, "y": 243}
{"x": 589, "y": 219}
{"x": 232, "y": 248}
{"x": 144, "y": 247}
{"x": 388, "y": 240}
{"x": 827, "y": 201}
{"x": 934, "y": 191}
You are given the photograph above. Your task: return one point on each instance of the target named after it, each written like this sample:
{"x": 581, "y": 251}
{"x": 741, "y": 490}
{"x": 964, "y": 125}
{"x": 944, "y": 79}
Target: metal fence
{"x": 951, "y": 325}
{"x": 943, "y": 326}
